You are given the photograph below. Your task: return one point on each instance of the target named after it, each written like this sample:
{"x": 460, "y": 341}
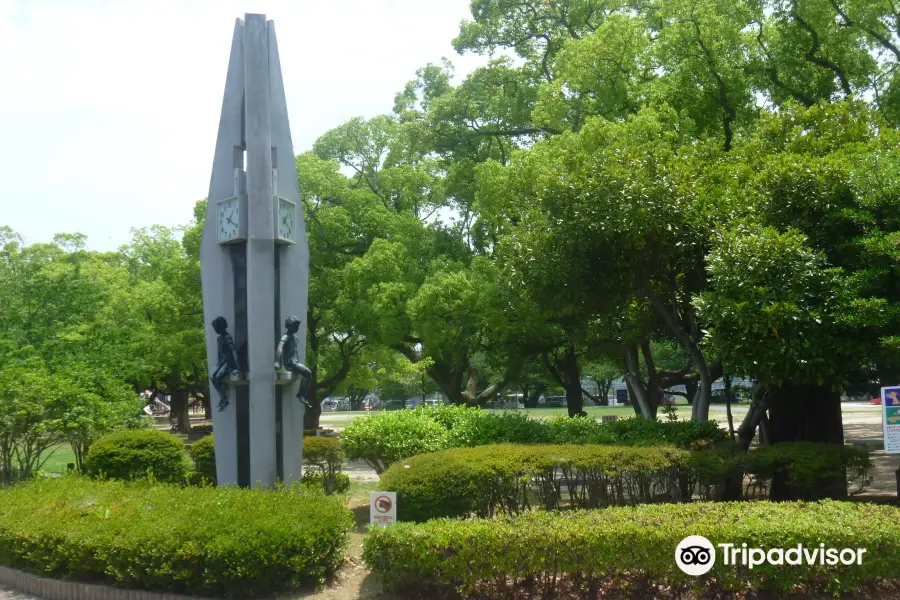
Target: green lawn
{"x": 56, "y": 462}
{"x": 359, "y": 491}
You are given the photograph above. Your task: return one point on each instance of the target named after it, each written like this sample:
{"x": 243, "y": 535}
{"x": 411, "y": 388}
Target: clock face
{"x": 229, "y": 219}
{"x": 286, "y": 219}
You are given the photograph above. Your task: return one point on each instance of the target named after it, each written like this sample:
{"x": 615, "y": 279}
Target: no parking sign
{"x": 382, "y": 508}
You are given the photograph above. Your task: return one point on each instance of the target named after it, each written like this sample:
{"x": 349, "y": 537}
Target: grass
{"x": 58, "y": 461}
{"x": 359, "y": 492}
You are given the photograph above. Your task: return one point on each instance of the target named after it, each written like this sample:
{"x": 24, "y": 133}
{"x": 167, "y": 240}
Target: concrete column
{"x": 261, "y": 340}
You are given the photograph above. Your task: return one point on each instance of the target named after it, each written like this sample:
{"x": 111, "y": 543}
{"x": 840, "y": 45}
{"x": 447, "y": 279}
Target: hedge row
{"x": 508, "y": 478}
{"x": 188, "y": 540}
{"x": 553, "y": 555}
{"x": 382, "y": 439}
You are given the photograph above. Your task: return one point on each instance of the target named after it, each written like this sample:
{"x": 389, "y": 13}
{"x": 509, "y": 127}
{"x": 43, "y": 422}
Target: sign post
{"x": 382, "y": 508}
{"x": 890, "y": 416}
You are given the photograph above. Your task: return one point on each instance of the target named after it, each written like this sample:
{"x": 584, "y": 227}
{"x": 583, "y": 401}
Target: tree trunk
{"x": 691, "y": 389}
{"x": 700, "y": 403}
{"x": 643, "y": 401}
{"x": 179, "y": 416}
{"x": 531, "y": 396}
{"x": 572, "y": 378}
{"x": 754, "y": 417}
{"x": 207, "y": 406}
{"x": 449, "y": 380}
{"x": 604, "y": 386}
{"x": 727, "y": 379}
{"x": 356, "y": 398}
{"x": 314, "y": 411}
{"x": 811, "y": 414}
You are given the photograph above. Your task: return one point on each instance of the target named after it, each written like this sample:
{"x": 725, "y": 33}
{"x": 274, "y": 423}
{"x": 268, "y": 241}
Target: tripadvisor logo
{"x": 696, "y": 555}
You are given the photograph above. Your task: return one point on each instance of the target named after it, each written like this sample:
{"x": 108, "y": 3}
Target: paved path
{"x": 8, "y": 594}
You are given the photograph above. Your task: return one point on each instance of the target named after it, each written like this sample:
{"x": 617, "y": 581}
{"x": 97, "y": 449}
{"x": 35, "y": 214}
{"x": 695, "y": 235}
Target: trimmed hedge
{"x": 487, "y": 480}
{"x": 187, "y": 540}
{"x": 383, "y": 438}
{"x": 550, "y": 555}
{"x": 203, "y": 451}
{"x": 136, "y": 454}
{"x": 511, "y": 478}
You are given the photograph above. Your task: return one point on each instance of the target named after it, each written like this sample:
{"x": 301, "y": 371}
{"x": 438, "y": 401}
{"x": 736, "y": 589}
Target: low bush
{"x": 565, "y": 430}
{"x": 487, "y": 480}
{"x": 187, "y": 540}
{"x": 323, "y": 458}
{"x": 203, "y": 452}
{"x": 335, "y": 484}
{"x": 684, "y": 434}
{"x": 204, "y": 428}
{"x": 136, "y": 454}
{"x": 550, "y": 555}
{"x": 805, "y": 468}
{"x": 386, "y": 437}
{"x": 450, "y": 415}
{"x": 482, "y": 427}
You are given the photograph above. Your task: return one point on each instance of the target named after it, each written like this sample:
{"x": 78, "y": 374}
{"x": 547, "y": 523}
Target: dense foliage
{"x": 382, "y": 439}
{"x": 130, "y": 455}
{"x": 488, "y": 480}
{"x": 203, "y": 451}
{"x": 203, "y": 541}
{"x": 550, "y": 555}
{"x": 323, "y": 459}
{"x": 507, "y": 478}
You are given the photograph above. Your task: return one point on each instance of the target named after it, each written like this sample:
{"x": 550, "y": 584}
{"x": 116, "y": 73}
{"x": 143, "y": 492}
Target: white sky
{"x": 109, "y": 109}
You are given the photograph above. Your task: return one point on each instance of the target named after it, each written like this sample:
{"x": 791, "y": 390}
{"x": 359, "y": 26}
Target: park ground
{"x": 862, "y": 425}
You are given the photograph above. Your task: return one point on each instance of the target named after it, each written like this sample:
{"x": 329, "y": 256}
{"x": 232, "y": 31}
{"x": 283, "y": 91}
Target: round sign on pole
{"x": 383, "y": 504}
{"x": 382, "y": 508}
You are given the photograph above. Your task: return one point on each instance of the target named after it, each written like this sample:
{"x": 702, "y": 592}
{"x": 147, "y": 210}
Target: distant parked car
{"x": 876, "y": 401}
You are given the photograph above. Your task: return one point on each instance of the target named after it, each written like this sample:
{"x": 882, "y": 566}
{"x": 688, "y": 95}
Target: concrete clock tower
{"x": 255, "y": 268}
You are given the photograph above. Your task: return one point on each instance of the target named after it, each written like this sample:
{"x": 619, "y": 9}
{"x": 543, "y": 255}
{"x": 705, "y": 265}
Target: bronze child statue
{"x": 227, "y": 360}
{"x": 287, "y": 357}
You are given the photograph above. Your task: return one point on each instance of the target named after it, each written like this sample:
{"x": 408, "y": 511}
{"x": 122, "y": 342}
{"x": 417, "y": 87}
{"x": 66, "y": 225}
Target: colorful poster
{"x": 890, "y": 410}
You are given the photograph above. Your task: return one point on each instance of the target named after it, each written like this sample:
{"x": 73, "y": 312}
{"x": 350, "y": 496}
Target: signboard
{"x": 890, "y": 416}
{"x": 609, "y": 418}
{"x": 382, "y": 508}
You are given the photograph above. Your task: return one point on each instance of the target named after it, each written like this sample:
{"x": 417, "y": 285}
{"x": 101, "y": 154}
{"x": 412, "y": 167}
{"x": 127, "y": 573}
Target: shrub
{"x": 565, "y": 430}
{"x": 450, "y": 415}
{"x": 336, "y": 484}
{"x": 552, "y": 555}
{"x": 684, "y": 434}
{"x": 203, "y": 452}
{"x": 135, "y": 454}
{"x": 805, "y": 467}
{"x": 386, "y": 437}
{"x": 483, "y": 427}
{"x": 511, "y": 478}
{"x": 325, "y": 454}
{"x": 203, "y": 428}
{"x": 187, "y": 540}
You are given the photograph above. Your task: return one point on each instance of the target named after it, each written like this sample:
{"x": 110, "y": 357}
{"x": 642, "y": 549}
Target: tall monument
{"x": 255, "y": 269}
